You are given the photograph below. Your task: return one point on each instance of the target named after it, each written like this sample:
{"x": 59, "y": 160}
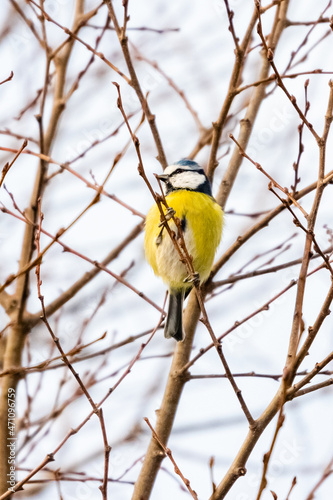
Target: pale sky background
{"x": 209, "y": 422}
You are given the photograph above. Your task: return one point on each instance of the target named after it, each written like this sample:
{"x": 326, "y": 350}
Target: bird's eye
{"x": 178, "y": 171}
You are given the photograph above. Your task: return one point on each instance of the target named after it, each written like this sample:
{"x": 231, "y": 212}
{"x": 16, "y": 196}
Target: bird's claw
{"x": 167, "y": 216}
{"x": 192, "y": 278}
{"x": 170, "y": 213}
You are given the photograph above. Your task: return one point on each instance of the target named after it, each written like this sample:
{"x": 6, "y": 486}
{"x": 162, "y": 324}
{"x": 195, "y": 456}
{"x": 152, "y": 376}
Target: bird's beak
{"x": 162, "y": 177}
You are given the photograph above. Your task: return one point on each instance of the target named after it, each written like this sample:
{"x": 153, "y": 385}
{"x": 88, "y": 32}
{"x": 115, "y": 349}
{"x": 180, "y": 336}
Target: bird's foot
{"x": 193, "y": 278}
{"x": 170, "y": 213}
{"x": 167, "y": 216}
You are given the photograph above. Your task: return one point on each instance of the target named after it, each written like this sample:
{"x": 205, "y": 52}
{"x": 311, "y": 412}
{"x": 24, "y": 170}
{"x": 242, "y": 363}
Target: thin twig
{"x": 218, "y": 125}
{"x": 134, "y": 82}
{"x": 293, "y": 484}
{"x": 276, "y": 376}
{"x": 267, "y": 456}
{"x": 73, "y": 35}
{"x": 174, "y": 86}
{"x": 273, "y": 181}
{"x": 98, "y": 411}
{"x": 231, "y": 28}
{"x": 7, "y": 167}
{"x": 270, "y": 58}
{"x": 8, "y": 78}
{"x": 261, "y": 272}
{"x": 300, "y": 143}
{"x": 65, "y": 166}
{"x": 327, "y": 472}
{"x": 72, "y": 432}
{"x": 66, "y": 248}
{"x": 168, "y": 453}
{"x": 186, "y": 258}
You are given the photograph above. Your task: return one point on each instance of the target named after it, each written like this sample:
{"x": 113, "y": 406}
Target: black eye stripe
{"x": 182, "y": 170}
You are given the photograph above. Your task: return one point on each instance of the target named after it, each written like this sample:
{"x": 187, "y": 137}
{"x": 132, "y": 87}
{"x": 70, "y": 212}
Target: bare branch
{"x": 134, "y": 82}
{"x": 168, "y": 452}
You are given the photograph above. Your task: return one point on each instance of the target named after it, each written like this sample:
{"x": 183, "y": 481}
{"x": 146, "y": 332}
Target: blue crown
{"x": 184, "y": 162}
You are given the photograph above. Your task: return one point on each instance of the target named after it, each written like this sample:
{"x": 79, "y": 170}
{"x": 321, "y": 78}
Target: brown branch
{"x": 237, "y": 468}
{"x": 273, "y": 181}
{"x": 269, "y": 51}
{"x": 30, "y": 105}
{"x": 231, "y": 28}
{"x": 8, "y": 79}
{"x": 66, "y": 248}
{"x": 18, "y": 486}
{"x": 257, "y": 97}
{"x": 18, "y": 328}
{"x": 267, "y": 456}
{"x": 134, "y": 82}
{"x": 218, "y": 347}
{"x": 272, "y": 376}
{"x": 168, "y": 453}
{"x": 264, "y": 222}
{"x": 169, "y": 404}
{"x": 68, "y": 294}
{"x": 260, "y": 272}
{"x": 72, "y": 432}
{"x": 290, "y": 367}
{"x": 84, "y": 71}
{"x": 73, "y": 36}
{"x": 8, "y": 166}
{"x": 272, "y": 78}
{"x": 97, "y": 411}
{"x": 238, "y": 323}
{"x": 139, "y": 28}
{"x": 292, "y": 391}
{"x": 174, "y": 86}
{"x": 296, "y": 164}
{"x": 107, "y": 450}
{"x": 320, "y": 19}
{"x": 291, "y": 363}
{"x": 28, "y": 22}
{"x": 48, "y": 364}
{"x": 185, "y": 257}
{"x": 324, "y": 20}
{"x": 6, "y": 131}
{"x": 313, "y": 330}
{"x": 298, "y": 223}
{"x": 314, "y": 387}
{"x": 240, "y": 55}
{"x": 327, "y": 472}
{"x": 293, "y": 484}
{"x": 65, "y": 166}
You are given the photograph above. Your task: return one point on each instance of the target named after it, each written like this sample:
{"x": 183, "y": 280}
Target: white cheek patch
{"x": 187, "y": 180}
{"x": 170, "y": 169}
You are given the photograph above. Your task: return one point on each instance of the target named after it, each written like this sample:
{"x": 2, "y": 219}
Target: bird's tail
{"x": 174, "y": 322}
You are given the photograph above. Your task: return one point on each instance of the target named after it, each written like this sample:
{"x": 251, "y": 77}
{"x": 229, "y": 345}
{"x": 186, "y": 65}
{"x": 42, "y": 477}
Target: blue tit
{"x": 188, "y": 191}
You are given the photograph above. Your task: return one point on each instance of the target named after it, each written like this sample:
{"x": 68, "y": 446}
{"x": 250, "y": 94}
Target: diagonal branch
{"x": 123, "y": 40}
{"x": 257, "y": 97}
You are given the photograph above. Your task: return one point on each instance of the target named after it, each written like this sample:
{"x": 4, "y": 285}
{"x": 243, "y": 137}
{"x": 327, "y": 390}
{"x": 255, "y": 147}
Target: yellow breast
{"x": 203, "y": 228}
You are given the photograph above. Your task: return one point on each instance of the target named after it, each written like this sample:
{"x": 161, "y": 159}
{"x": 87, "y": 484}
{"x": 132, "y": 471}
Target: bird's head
{"x": 185, "y": 174}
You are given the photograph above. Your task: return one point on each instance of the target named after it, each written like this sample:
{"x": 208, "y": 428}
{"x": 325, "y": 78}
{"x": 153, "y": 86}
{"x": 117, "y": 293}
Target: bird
{"x": 188, "y": 194}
